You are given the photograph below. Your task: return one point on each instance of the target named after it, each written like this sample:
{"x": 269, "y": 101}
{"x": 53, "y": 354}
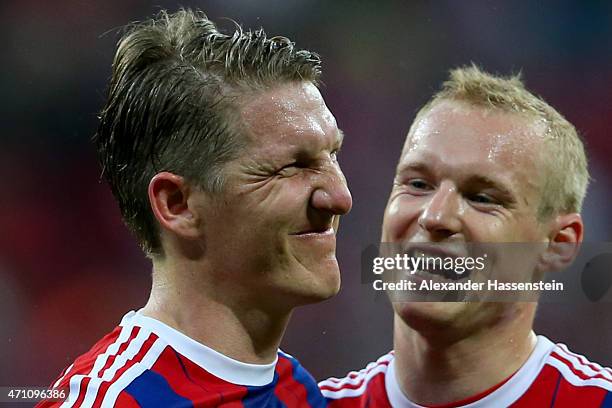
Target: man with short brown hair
{"x": 223, "y": 157}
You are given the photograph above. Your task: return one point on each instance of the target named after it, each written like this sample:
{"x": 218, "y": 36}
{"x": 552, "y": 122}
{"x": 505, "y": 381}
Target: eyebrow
{"x": 415, "y": 166}
{"x": 305, "y": 152}
{"x": 490, "y": 182}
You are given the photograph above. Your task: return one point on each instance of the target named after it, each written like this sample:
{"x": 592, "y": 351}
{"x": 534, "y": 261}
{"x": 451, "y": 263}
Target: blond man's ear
{"x": 567, "y": 232}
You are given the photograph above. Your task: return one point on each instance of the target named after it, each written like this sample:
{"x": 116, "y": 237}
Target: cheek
{"x": 401, "y": 216}
{"x": 295, "y": 192}
{"x": 485, "y": 228}
{"x": 280, "y": 195}
{"x": 530, "y": 230}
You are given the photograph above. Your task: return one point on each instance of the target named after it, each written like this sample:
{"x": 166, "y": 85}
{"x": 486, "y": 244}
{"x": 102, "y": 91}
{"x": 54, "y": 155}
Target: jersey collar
{"x": 219, "y": 365}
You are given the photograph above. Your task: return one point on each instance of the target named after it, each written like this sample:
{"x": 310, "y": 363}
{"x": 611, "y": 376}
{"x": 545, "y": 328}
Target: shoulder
{"x": 110, "y": 365}
{"x": 359, "y": 388}
{"x": 578, "y": 378}
{"x": 295, "y": 385}
{"x": 289, "y": 366}
{"x": 577, "y": 369}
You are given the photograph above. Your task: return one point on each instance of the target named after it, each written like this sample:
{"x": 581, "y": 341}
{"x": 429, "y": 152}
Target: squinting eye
{"x": 289, "y": 170}
{"x": 419, "y": 184}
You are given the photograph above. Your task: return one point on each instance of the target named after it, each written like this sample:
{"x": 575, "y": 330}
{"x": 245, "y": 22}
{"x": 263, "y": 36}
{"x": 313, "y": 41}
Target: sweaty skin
{"x": 266, "y": 243}
{"x": 466, "y": 174}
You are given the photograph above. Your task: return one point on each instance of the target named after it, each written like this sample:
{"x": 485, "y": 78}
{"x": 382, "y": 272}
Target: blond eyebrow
{"x": 487, "y": 181}
{"x": 493, "y": 183}
{"x": 415, "y": 166}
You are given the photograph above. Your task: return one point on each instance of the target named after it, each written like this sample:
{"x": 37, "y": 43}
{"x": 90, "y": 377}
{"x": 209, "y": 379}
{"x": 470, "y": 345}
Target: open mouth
{"x": 317, "y": 226}
{"x": 323, "y": 230}
{"x": 437, "y": 265}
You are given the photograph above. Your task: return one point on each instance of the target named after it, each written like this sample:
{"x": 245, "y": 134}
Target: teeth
{"x": 422, "y": 273}
{"x": 431, "y": 275}
{"x": 419, "y": 254}
{"x": 435, "y": 272}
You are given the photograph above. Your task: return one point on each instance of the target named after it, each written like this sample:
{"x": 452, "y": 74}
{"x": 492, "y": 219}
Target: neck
{"x": 433, "y": 372}
{"x": 216, "y": 315}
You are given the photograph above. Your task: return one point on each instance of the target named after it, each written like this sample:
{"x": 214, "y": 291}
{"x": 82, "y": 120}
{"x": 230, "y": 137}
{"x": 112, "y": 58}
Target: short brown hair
{"x": 172, "y": 105}
{"x": 566, "y": 169}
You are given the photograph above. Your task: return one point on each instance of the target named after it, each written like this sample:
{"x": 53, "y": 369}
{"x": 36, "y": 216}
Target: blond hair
{"x": 565, "y": 167}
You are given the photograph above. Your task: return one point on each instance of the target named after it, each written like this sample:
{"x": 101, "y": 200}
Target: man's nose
{"x": 440, "y": 215}
{"x": 332, "y": 194}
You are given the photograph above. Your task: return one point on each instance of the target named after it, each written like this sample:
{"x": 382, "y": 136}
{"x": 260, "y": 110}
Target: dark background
{"x": 69, "y": 270}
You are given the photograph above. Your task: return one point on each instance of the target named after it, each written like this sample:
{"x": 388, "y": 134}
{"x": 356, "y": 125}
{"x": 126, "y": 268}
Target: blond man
{"x": 485, "y": 161}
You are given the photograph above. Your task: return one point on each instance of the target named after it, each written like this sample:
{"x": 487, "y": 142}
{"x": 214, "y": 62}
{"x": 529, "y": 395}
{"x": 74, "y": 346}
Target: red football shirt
{"x": 145, "y": 363}
{"x": 553, "y": 376}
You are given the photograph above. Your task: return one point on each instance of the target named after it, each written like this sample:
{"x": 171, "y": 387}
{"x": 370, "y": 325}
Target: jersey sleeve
{"x": 363, "y": 388}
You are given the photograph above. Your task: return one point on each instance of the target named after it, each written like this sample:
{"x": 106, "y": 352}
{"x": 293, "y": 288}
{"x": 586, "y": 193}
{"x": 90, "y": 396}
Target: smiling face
{"x": 466, "y": 174}
{"x": 271, "y": 232}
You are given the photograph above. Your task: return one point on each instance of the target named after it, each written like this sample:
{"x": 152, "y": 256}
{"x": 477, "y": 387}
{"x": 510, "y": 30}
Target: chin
{"x": 331, "y": 287}
{"x": 430, "y": 316}
{"x": 322, "y": 282}
{"x": 444, "y": 322}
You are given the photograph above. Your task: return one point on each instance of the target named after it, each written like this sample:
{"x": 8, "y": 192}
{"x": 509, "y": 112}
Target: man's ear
{"x": 169, "y": 195}
{"x": 567, "y": 232}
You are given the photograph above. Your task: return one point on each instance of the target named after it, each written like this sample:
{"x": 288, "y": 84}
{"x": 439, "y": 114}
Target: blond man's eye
{"x": 482, "y": 199}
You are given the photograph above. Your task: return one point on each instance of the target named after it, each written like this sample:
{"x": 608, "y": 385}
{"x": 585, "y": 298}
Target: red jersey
{"x": 145, "y": 363}
{"x": 553, "y": 376}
